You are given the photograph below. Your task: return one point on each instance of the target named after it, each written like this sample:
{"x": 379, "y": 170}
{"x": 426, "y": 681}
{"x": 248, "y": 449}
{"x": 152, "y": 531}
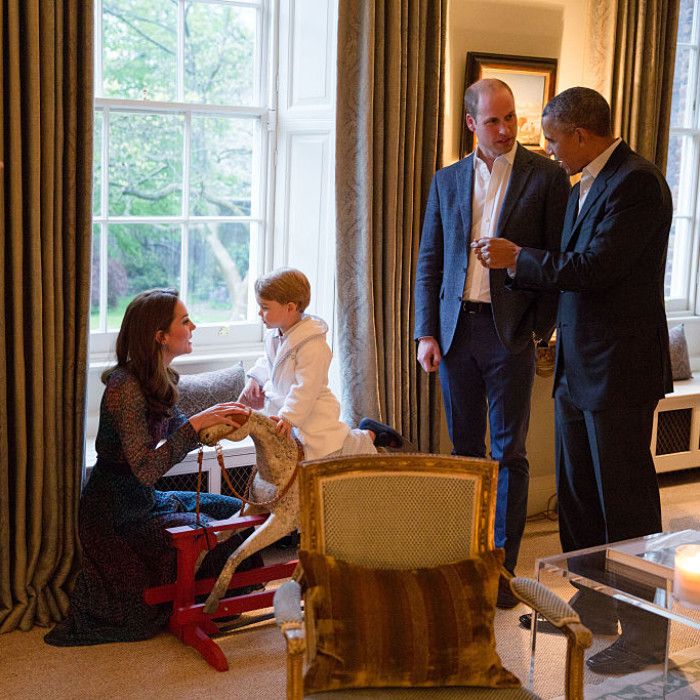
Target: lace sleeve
{"x": 148, "y": 462}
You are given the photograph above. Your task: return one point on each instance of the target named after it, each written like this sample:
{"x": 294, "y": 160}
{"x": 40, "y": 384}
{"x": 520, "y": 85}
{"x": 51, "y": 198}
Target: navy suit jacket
{"x": 612, "y": 337}
{"x": 532, "y": 215}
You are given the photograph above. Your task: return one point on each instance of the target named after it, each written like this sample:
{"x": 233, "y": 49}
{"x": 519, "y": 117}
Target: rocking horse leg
{"x": 196, "y": 637}
{"x": 221, "y": 536}
{"x": 276, "y": 526}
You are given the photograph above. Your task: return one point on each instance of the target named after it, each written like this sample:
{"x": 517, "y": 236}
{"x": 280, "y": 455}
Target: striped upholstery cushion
{"x": 403, "y": 628}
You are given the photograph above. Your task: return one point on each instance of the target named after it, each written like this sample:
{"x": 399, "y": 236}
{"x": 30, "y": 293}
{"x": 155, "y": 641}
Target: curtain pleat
{"x": 389, "y": 109}
{"x": 645, "y": 50}
{"x": 45, "y": 225}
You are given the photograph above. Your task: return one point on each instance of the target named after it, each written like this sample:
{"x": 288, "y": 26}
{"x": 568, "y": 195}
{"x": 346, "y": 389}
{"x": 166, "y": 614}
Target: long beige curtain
{"x": 644, "y": 57}
{"x": 389, "y": 107}
{"x": 45, "y": 231}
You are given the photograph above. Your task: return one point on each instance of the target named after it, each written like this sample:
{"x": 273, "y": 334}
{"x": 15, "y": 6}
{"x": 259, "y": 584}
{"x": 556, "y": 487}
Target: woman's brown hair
{"x": 139, "y": 351}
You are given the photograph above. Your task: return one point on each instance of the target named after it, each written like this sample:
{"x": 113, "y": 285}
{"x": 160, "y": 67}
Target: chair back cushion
{"x": 403, "y": 627}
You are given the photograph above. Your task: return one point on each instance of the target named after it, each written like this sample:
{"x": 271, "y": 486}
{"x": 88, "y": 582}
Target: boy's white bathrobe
{"x": 293, "y": 373}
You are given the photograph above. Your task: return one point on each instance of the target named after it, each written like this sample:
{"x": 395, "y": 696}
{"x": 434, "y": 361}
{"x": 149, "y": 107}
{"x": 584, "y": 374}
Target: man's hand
{"x": 496, "y": 253}
{"x": 429, "y": 354}
{"x": 252, "y": 395}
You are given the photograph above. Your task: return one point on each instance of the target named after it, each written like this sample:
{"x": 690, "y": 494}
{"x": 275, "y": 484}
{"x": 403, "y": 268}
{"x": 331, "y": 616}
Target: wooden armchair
{"x": 406, "y": 511}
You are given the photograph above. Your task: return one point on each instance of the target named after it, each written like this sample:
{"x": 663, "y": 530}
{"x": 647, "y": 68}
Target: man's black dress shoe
{"x": 598, "y": 627}
{"x": 506, "y": 600}
{"x": 619, "y": 659}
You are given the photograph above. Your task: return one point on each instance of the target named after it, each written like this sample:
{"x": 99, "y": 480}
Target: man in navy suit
{"x": 612, "y": 362}
{"x": 478, "y": 332}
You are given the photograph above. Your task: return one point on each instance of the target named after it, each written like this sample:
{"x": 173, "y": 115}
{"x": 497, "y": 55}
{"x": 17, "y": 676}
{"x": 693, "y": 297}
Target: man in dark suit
{"x": 612, "y": 363}
{"x": 477, "y": 332}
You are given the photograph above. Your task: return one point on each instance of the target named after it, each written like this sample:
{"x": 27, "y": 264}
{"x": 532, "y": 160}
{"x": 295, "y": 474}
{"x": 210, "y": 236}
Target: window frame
{"x": 687, "y": 303}
{"x": 212, "y": 339}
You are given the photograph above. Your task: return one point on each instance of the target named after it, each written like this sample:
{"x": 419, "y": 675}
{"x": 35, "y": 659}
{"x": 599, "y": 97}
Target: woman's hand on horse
{"x": 220, "y": 413}
{"x": 253, "y": 395}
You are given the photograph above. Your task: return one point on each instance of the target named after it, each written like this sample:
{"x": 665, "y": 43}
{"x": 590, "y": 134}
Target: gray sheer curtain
{"x": 389, "y": 109}
{"x": 45, "y": 237}
{"x": 645, "y": 51}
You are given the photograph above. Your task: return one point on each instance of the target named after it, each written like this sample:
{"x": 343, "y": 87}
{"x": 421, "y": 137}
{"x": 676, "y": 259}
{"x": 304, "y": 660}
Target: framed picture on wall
{"x": 532, "y": 81}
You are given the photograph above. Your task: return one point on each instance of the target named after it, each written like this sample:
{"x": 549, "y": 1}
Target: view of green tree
{"x": 145, "y": 164}
{"x": 139, "y": 49}
{"x": 219, "y": 54}
{"x": 149, "y": 161}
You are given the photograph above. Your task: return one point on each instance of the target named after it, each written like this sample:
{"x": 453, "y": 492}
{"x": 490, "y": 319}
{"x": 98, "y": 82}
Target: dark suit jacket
{"x": 612, "y": 338}
{"x": 532, "y": 215}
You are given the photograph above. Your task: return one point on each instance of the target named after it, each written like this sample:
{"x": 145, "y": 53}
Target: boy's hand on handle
{"x": 283, "y": 428}
{"x": 252, "y": 394}
{"x": 429, "y": 354}
{"x": 220, "y": 413}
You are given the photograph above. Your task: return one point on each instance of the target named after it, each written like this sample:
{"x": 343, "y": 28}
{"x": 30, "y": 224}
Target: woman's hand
{"x": 252, "y": 395}
{"x": 220, "y": 413}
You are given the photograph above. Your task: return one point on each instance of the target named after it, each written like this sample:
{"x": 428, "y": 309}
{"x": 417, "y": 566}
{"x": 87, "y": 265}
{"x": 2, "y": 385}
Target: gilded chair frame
{"x": 314, "y": 480}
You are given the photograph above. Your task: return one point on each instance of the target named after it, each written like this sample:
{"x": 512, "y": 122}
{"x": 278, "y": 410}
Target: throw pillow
{"x": 377, "y": 628}
{"x": 199, "y": 391}
{"x": 678, "y": 347}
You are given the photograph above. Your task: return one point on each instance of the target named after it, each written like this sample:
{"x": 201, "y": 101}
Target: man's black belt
{"x": 476, "y": 307}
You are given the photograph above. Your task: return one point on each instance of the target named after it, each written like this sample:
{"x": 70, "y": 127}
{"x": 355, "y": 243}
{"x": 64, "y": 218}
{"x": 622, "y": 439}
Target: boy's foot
{"x": 384, "y": 435}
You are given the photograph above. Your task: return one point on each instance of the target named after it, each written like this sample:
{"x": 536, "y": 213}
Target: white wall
{"x": 544, "y": 28}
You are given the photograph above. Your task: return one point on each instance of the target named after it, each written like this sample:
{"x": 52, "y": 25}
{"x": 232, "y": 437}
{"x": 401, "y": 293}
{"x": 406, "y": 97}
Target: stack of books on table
{"x": 649, "y": 559}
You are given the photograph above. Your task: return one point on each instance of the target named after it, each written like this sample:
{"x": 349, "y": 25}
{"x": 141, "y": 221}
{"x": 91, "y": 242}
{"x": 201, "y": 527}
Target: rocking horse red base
{"x": 188, "y": 620}
{"x": 271, "y": 505}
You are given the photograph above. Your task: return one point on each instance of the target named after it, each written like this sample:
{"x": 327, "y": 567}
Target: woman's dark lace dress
{"x": 122, "y": 521}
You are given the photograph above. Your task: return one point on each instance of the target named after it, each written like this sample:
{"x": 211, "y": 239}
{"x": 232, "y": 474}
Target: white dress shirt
{"x": 488, "y": 193}
{"x": 592, "y": 170}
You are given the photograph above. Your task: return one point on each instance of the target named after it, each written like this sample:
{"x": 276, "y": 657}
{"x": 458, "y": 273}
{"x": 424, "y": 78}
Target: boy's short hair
{"x": 283, "y": 286}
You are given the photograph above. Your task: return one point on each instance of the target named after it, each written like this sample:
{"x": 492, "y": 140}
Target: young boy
{"x": 291, "y": 380}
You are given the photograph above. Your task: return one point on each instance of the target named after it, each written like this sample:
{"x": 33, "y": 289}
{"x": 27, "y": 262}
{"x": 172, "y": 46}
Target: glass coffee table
{"x": 641, "y": 601}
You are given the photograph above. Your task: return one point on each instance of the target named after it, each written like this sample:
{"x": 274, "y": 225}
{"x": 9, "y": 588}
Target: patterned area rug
{"x": 683, "y": 682}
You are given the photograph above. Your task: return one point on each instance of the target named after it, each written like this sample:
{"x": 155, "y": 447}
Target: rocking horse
{"x": 271, "y": 503}
{"x": 272, "y": 489}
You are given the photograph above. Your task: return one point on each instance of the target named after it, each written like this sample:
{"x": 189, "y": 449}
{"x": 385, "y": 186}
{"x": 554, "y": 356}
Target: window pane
{"x": 222, "y": 162}
{"x": 141, "y": 256}
{"x": 145, "y": 164}
{"x": 681, "y": 107}
{"x": 95, "y": 280}
{"x": 97, "y": 165}
{"x": 685, "y": 21}
{"x": 678, "y": 260}
{"x": 219, "y": 255}
{"x": 219, "y": 53}
{"x": 679, "y": 173}
{"x": 139, "y": 47}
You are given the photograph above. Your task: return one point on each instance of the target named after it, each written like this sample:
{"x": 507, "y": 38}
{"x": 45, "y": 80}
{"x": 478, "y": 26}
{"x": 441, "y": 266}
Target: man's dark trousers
{"x": 476, "y": 372}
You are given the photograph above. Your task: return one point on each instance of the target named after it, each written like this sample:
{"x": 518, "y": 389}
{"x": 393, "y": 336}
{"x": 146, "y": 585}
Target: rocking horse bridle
{"x": 245, "y": 497}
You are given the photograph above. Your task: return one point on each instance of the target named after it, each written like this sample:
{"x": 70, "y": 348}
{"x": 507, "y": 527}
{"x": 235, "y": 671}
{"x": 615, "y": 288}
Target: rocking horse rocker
{"x": 271, "y": 503}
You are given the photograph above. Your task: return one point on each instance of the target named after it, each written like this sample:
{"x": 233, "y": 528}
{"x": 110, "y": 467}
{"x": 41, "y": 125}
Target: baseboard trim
{"x": 541, "y": 490}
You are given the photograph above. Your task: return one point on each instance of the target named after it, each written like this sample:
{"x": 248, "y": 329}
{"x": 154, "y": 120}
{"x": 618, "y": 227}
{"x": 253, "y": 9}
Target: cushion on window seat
{"x": 199, "y": 391}
{"x": 678, "y": 347}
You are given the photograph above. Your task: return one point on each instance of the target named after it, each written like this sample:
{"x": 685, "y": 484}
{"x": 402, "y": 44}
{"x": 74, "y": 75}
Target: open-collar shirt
{"x": 592, "y": 170}
{"x": 488, "y": 193}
